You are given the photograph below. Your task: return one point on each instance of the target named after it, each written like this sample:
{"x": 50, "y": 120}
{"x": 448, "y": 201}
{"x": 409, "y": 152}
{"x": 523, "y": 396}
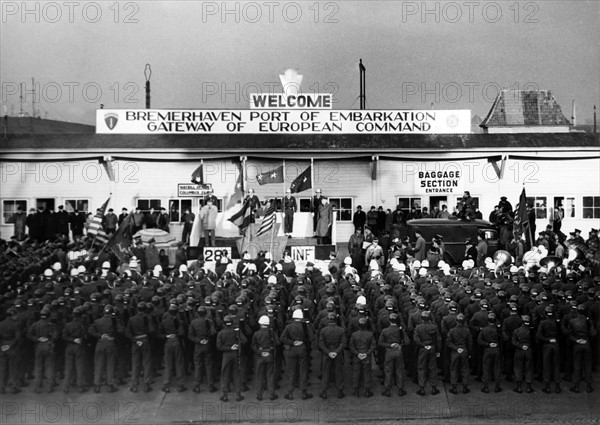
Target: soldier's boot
{"x": 590, "y": 388}
{"x": 259, "y": 397}
{"x": 529, "y": 388}
{"x": 133, "y": 389}
{"x": 239, "y": 397}
{"x": 341, "y": 394}
{"x": 323, "y": 395}
{"x": 356, "y": 392}
{"x": 434, "y": 390}
{"x": 401, "y": 392}
{"x": 557, "y": 388}
{"x": 224, "y": 397}
{"x": 466, "y": 389}
{"x": 574, "y": 388}
{"x": 517, "y": 388}
{"x": 212, "y": 388}
{"x": 454, "y": 390}
{"x": 147, "y": 388}
{"x": 112, "y": 389}
{"x": 546, "y": 388}
{"x": 421, "y": 391}
{"x": 273, "y": 396}
{"x": 97, "y": 389}
{"x": 306, "y": 395}
{"x": 196, "y": 389}
{"x": 289, "y": 395}
{"x": 498, "y": 388}
{"x": 369, "y": 393}
{"x": 485, "y": 389}
{"x": 166, "y": 389}
{"x": 386, "y": 393}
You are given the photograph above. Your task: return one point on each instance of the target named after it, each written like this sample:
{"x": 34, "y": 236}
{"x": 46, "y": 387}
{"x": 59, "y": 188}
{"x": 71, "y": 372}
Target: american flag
{"x": 268, "y": 220}
{"x": 95, "y": 229}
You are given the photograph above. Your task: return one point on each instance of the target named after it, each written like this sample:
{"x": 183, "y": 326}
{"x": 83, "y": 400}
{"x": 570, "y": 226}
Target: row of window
{"x": 566, "y": 207}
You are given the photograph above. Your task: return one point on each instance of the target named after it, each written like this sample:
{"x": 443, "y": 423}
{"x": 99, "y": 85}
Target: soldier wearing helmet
{"x": 44, "y": 335}
{"x": 489, "y": 340}
{"x": 548, "y": 335}
{"x": 523, "y": 360}
{"x": 264, "y": 345}
{"x": 332, "y": 343}
{"x": 581, "y": 329}
{"x": 138, "y": 330}
{"x": 229, "y": 341}
{"x": 202, "y": 332}
{"x": 427, "y": 338}
{"x": 105, "y": 330}
{"x": 392, "y": 339}
{"x": 296, "y": 337}
{"x": 74, "y": 336}
{"x": 460, "y": 344}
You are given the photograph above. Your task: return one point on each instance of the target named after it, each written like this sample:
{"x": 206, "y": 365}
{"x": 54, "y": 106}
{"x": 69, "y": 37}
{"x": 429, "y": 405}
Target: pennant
{"x": 499, "y": 169}
{"x": 198, "y": 175}
{"x": 521, "y": 217}
{"x": 275, "y": 176}
{"x": 243, "y": 218}
{"x": 268, "y": 220}
{"x": 238, "y": 190}
{"x": 302, "y": 182}
{"x": 120, "y": 242}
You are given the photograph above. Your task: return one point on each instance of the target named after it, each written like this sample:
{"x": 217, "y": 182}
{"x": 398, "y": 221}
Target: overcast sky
{"x": 455, "y": 55}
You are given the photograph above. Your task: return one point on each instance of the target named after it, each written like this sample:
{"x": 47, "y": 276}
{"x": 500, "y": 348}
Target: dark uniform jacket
{"x": 331, "y": 339}
{"x": 459, "y": 337}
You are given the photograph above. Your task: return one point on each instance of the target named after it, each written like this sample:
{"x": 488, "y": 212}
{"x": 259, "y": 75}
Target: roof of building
{"x": 37, "y": 125}
{"x": 525, "y": 108}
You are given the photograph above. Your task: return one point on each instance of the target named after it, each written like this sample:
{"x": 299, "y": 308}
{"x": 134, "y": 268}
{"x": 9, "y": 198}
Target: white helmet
{"x": 416, "y": 264}
{"x": 297, "y": 314}
{"x": 373, "y": 265}
{"x": 278, "y": 267}
{"x": 81, "y": 269}
{"x": 74, "y": 272}
{"x": 48, "y": 273}
{"x": 56, "y": 266}
{"x": 106, "y": 265}
{"x": 182, "y": 268}
{"x": 348, "y": 261}
{"x": 272, "y": 279}
{"x": 361, "y": 300}
{"x": 425, "y": 263}
{"x": 402, "y": 267}
{"x": 422, "y": 272}
{"x": 264, "y": 320}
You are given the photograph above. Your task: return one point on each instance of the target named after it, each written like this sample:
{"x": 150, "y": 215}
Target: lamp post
{"x": 147, "y": 74}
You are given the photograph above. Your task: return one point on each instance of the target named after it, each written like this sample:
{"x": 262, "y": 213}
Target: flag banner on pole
{"x": 96, "y": 222}
{"x": 521, "y": 217}
{"x": 101, "y": 238}
{"x": 302, "y": 182}
{"x": 268, "y": 220}
{"x": 120, "y": 242}
{"x": 243, "y": 218}
{"x": 275, "y": 176}
{"x": 238, "y": 190}
{"x": 198, "y": 175}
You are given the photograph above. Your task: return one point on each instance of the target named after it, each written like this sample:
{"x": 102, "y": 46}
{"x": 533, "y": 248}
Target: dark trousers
{"x": 288, "y": 221}
{"x": 332, "y": 366}
{"x": 141, "y": 358}
{"x": 297, "y": 364}
{"x": 362, "y": 368}
{"x": 104, "y": 357}
{"x": 427, "y": 367}
{"x": 523, "y": 365}
{"x": 459, "y": 366}
{"x": 44, "y": 363}
{"x": 582, "y": 363}
{"x": 74, "y": 363}
{"x": 8, "y": 368}
{"x": 187, "y": 230}
{"x": 230, "y": 372}
{"x": 173, "y": 361}
{"x": 551, "y": 363}
{"x": 203, "y": 360}
{"x": 491, "y": 364}
{"x": 265, "y": 373}
{"x": 393, "y": 366}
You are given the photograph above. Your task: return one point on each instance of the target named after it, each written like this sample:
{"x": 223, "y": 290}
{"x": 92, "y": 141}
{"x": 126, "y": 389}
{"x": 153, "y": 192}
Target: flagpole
{"x": 273, "y": 231}
{"x": 243, "y": 179}
{"x": 283, "y": 195}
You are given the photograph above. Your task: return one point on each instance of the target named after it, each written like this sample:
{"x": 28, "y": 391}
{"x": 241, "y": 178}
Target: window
{"x": 46, "y": 203}
{"x": 539, "y": 205}
{"x": 567, "y": 205}
{"x": 406, "y": 205}
{"x": 177, "y": 208}
{"x": 304, "y": 204}
{"x": 145, "y": 204}
{"x": 343, "y": 208}
{"x": 591, "y": 207}
{"x": 77, "y": 204}
{"x": 219, "y": 204}
{"x": 9, "y": 208}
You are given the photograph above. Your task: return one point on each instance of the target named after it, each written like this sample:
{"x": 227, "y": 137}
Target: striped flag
{"x": 243, "y": 218}
{"x": 95, "y": 229}
{"x": 268, "y": 220}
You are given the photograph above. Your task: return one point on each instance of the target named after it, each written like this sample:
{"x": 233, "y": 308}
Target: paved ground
{"x": 156, "y": 407}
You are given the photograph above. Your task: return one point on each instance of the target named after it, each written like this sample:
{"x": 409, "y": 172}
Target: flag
{"x": 268, "y": 220}
{"x": 243, "y": 217}
{"x": 521, "y": 217}
{"x": 238, "y": 190}
{"x": 302, "y": 182}
{"x": 95, "y": 226}
{"x": 198, "y": 175}
{"x": 275, "y": 176}
{"x": 120, "y": 242}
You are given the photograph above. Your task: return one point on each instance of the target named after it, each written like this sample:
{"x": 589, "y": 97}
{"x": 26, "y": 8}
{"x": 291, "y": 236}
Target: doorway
{"x": 435, "y": 204}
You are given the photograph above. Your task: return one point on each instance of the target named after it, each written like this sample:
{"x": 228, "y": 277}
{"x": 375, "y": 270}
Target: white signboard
{"x": 216, "y": 253}
{"x": 303, "y": 253}
{"x": 292, "y": 121}
{"x": 442, "y": 182}
{"x": 190, "y": 189}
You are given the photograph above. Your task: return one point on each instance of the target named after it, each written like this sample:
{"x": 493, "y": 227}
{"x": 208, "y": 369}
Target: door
{"x": 437, "y": 201}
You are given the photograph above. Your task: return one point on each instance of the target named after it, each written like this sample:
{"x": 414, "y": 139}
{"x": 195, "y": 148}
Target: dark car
{"x": 454, "y": 232}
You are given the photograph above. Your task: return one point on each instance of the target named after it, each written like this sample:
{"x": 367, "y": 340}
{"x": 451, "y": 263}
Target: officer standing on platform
{"x": 264, "y": 344}
{"x": 289, "y": 207}
{"x": 138, "y": 331}
{"x": 229, "y": 342}
{"x": 316, "y": 203}
{"x": 332, "y": 344}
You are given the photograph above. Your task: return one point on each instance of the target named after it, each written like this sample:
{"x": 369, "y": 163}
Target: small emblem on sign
{"x": 111, "y": 120}
{"x": 452, "y": 121}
